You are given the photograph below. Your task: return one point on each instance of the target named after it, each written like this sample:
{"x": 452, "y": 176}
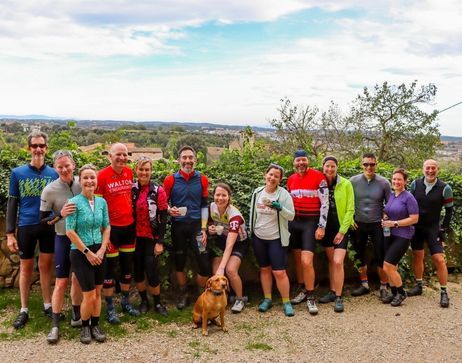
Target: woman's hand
{"x": 212, "y": 229}
{"x": 101, "y": 252}
{"x": 387, "y": 223}
{"x": 220, "y": 271}
{"x": 320, "y": 233}
{"x": 93, "y": 258}
{"x": 338, "y": 238}
{"x": 158, "y": 249}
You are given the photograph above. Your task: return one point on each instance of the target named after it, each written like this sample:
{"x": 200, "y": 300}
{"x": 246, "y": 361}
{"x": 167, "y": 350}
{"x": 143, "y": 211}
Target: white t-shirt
{"x": 266, "y": 224}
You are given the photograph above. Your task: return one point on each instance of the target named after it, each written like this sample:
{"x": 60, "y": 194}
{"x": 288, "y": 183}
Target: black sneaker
{"x": 85, "y": 335}
{"x": 97, "y": 334}
{"x": 161, "y": 309}
{"x": 398, "y": 299}
{"x": 383, "y": 293}
{"x": 444, "y": 301}
{"x": 144, "y": 306}
{"x": 183, "y": 301}
{"x": 21, "y": 320}
{"x": 362, "y": 290}
{"x": 388, "y": 298}
{"x": 48, "y": 312}
{"x": 328, "y": 298}
{"x": 338, "y": 307}
{"x": 415, "y": 291}
{"x": 129, "y": 309}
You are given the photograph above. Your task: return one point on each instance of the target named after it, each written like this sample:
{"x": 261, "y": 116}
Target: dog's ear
{"x": 227, "y": 283}
{"x": 208, "y": 285}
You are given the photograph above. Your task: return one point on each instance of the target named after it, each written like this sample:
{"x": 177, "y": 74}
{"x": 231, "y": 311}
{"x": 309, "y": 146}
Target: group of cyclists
{"x": 109, "y": 225}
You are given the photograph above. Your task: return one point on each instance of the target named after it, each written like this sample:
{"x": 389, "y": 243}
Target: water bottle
{"x": 200, "y": 246}
{"x": 386, "y": 230}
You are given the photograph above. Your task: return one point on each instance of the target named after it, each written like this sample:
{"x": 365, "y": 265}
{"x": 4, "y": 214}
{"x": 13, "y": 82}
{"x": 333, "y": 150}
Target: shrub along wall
{"x": 244, "y": 170}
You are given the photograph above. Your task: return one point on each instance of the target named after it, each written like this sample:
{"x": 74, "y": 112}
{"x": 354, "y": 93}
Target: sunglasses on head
{"x": 371, "y": 165}
{"x": 35, "y": 146}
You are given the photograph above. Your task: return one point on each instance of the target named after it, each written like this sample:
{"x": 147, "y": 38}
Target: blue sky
{"x": 229, "y": 63}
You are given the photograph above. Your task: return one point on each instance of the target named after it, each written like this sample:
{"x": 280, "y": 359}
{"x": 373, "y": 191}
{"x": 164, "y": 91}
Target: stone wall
{"x": 9, "y": 262}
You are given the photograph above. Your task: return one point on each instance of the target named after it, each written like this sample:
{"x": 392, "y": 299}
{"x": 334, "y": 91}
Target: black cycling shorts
{"x": 217, "y": 245}
{"x": 62, "y": 259}
{"x": 429, "y": 234}
{"x": 328, "y": 239}
{"x": 29, "y": 235}
{"x": 89, "y": 276}
{"x": 395, "y": 249}
{"x": 302, "y": 230}
{"x": 270, "y": 253}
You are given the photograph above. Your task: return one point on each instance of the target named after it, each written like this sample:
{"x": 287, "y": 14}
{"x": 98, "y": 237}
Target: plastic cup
{"x": 182, "y": 210}
{"x": 219, "y": 229}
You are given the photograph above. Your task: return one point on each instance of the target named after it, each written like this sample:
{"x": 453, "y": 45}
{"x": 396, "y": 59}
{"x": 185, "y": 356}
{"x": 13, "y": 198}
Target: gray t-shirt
{"x": 53, "y": 198}
{"x": 370, "y": 197}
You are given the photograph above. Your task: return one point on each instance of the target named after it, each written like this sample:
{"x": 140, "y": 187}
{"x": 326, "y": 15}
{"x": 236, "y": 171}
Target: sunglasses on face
{"x": 370, "y": 165}
{"x": 35, "y": 146}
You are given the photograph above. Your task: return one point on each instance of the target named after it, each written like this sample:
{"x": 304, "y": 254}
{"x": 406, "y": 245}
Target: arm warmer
{"x": 11, "y": 214}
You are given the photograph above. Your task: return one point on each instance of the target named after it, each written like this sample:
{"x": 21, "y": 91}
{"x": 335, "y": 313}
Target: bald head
{"x": 430, "y": 170}
{"x": 118, "y": 155}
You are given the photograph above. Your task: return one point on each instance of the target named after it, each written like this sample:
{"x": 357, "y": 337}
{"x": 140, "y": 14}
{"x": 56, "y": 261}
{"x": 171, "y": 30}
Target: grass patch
{"x": 199, "y": 347}
{"x": 258, "y": 346}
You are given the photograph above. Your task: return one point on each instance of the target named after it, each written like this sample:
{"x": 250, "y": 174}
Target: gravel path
{"x": 368, "y": 331}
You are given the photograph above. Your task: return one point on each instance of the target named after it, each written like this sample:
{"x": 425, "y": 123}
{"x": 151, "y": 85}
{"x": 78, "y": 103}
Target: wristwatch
{"x": 396, "y": 224}
{"x": 85, "y": 251}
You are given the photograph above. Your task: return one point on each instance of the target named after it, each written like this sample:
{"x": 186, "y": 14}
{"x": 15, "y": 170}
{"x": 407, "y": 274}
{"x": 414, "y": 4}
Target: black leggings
{"x": 125, "y": 261}
{"x": 361, "y": 235}
{"x": 146, "y": 262}
{"x": 395, "y": 249}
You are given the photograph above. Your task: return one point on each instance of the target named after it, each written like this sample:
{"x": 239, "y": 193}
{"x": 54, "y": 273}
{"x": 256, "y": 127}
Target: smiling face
{"x": 143, "y": 172}
{"x": 187, "y": 161}
{"x": 272, "y": 178}
{"x": 88, "y": 181}
{"x": 65, "y": 167}
{"x": 330, "y": 169}
{"x": 221, "y": 197}
{"x": 118, "y": 155}
{"x": 398, "y": 182}
{"x": 369, "y": 167}
{"x": 430, "y": 170}
{"x": 301, "y": 164}
{"x": 37, "y": 149}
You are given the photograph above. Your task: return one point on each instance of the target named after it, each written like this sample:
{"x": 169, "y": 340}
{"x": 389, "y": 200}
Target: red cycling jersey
{"x": 117, "y": 190}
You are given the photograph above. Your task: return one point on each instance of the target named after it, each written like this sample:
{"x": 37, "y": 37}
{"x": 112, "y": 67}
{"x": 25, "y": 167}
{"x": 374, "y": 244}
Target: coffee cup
{"x": 182, "y": 210}
{"x": 219, "y": 229}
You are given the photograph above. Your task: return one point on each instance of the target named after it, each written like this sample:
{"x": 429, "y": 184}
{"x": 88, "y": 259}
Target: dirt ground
{"x": 368, "y": 331}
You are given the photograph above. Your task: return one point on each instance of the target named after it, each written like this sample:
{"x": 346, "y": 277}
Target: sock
{"x": 285, "y": 300}
{"x": 94, "y": 320}
{"x": 268, "y": 296}
{"x": 419, "y": 282}
{"x": 394, "y": 290}
{"x": 383, "y": 286}
{"x": 338, "y": 296}
{"x": 365, "y": 283}
{"x": 301, "y": 286}
{"x": 156, "y": 299}
{"x": 46, "y": 306}
{"x": 109, "y": 302}
{"x": 125, "y": 295}
{"x": 401, "y": 290}
{"x": 24, "y": 310}
{"x": 86, "y": 322}
{"x": 55, "y": 320}
{"x": 310, "y": 293}
{"x": 143, "y": 294}
{"x": 444, "y": 288}
{"x": 75, "y": 312}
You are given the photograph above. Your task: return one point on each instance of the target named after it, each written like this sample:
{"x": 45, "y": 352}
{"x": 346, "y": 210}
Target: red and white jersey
{"x": 231, "y": 220}
{"x": 116, "y": 189}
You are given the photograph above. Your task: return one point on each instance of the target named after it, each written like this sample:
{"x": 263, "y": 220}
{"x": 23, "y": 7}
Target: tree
{"x": 295, "y": 127}
{"x": 393, "y": 126}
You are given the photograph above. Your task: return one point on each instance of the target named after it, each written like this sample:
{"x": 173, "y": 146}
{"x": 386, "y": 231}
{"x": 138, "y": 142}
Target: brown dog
{"x": 211, "y": 304}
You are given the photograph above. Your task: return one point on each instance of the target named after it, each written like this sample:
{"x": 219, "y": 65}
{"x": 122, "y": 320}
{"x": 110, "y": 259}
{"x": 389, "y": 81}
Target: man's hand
{"x": 174, "y": 212}
{"x": 320, "y": 233}
{"x": 12, "y": 243}
{"x": 67, "y": 209}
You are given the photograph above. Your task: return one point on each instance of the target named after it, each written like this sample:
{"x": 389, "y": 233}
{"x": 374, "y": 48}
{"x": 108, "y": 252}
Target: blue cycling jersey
{"x": 26, "y": 184}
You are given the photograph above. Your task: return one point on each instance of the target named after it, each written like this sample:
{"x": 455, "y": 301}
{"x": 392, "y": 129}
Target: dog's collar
{"x": 217, "y": 293}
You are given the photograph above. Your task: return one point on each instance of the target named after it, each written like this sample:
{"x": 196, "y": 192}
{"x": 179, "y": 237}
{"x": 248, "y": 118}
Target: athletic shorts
{"x": 270, "y": 253}
{"x": 328, "y": 239}
{"x": 360, "y": 237}
{"x": 89, "y": 276}
{"x": 429, "y": 234}
{"x": 395, "y": 249}
{"x": 302, "y": 230}
{"x": 62, "y": 259}
{"x": 29, "y": 235}
{"x": 215, "y": 243}
{"x": 122, "y": 239}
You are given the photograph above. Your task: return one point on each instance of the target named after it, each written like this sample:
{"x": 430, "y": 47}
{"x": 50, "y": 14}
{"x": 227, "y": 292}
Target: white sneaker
{"x": 311, "y": 305}
{"x": 238, "y": 306}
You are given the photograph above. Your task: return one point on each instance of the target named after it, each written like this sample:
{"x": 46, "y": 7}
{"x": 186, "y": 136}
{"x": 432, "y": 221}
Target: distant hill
{"x": 111, "y": 124}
